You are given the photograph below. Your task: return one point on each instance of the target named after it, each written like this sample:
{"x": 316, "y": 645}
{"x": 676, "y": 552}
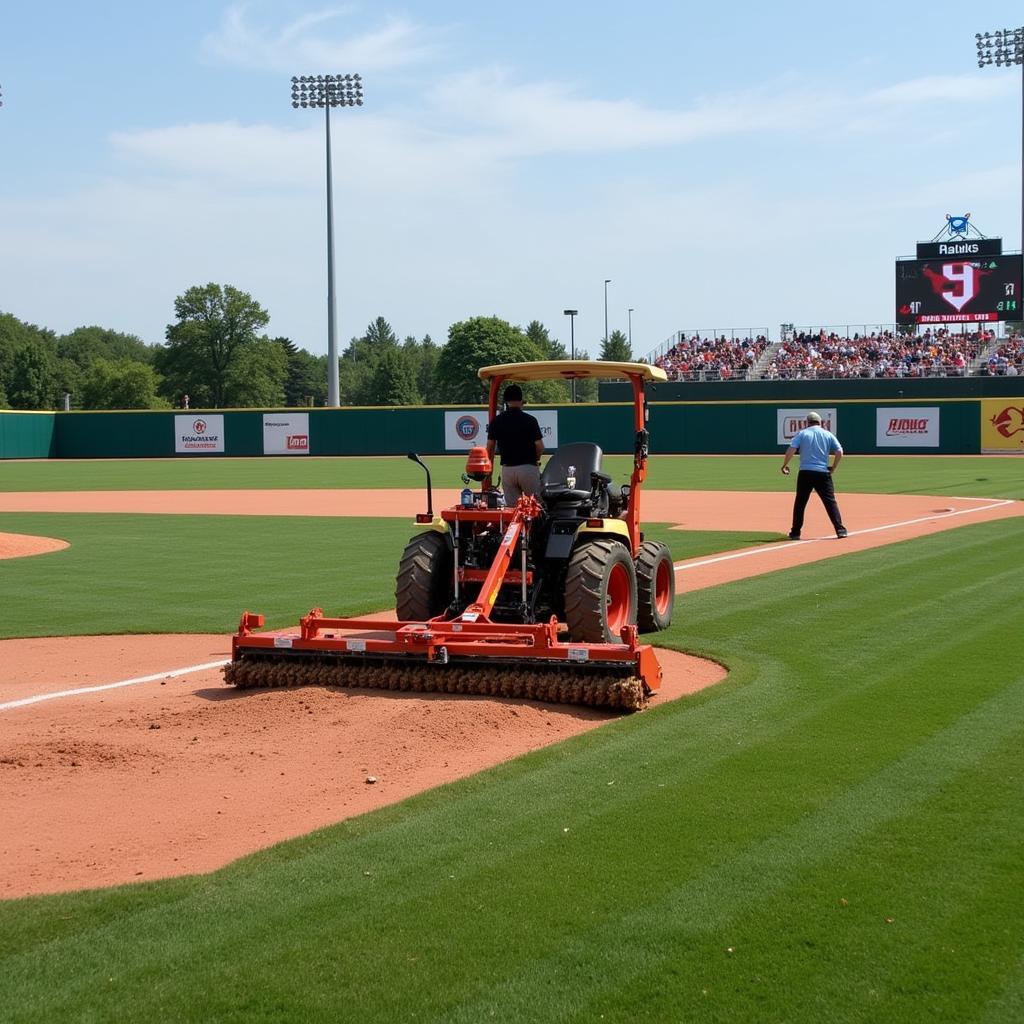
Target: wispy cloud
{"x": 532, "y": 118}
{"x": 316, "y": 42}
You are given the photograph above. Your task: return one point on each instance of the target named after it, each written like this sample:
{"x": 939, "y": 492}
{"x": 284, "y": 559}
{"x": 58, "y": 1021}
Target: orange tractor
{"x": 542, "y": 600}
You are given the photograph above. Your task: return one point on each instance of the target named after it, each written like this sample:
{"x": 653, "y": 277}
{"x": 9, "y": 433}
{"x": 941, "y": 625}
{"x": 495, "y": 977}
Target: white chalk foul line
{"x": 171, "y": 674}
{"x": 783, "y": 545}
{"x": 679, "y": 567}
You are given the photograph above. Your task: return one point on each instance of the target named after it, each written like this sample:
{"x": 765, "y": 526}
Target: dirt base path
{"x": 184, "y": 775}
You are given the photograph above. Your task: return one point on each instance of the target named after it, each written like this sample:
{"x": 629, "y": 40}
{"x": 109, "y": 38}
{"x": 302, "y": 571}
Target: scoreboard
{"x": 951, "y": 290}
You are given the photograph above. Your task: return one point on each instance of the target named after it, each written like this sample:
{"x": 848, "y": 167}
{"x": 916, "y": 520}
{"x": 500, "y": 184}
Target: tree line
{"x": 217, "y": 353}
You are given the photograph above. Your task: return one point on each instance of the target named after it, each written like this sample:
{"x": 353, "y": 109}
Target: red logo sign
{"x": 199, "y": 426}
{"x": 297, "y": 442}
{"x": 1010, "y": 421}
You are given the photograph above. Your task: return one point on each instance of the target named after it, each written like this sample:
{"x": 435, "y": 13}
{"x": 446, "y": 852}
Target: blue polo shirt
{"x": 815, "y": 444}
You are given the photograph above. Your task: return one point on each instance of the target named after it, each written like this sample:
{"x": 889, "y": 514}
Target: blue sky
{"x": 725, "y": 165}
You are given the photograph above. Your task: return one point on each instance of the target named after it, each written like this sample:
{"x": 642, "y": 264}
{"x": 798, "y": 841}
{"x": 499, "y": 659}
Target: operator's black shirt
{"x": 515, "y": 432}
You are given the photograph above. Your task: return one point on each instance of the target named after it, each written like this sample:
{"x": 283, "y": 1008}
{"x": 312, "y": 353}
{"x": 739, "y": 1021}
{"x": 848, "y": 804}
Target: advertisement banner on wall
{"x": 911, "y": 427}
{"x": 792, "y": 421}
{"x": 286, "y": 433}
{"x": 199, "y": 433}
{"x": 1002, "y": 426}
{"x": 464, "y": 430}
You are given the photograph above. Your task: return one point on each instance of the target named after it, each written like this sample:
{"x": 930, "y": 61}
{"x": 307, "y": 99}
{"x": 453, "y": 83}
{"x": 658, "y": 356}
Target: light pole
{"x": 607, "y": 281}
{"x": 629, "y": 329}
{"x": 571, "y": 314}
{"x": 329, "y": 91}
{"x": 1005, "y": 47}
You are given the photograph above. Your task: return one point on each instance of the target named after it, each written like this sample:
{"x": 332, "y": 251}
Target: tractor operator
{"x": 517, "y": 436}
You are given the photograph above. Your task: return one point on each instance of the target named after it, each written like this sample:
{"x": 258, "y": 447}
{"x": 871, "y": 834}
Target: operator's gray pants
{"x": 519, "y": 480}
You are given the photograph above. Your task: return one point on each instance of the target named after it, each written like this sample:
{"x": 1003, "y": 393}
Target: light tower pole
{"x": 629, "y": 320}
{"x": 607, "y": 281}
{"x": 571, "y": 314}
{"x": 329, "y": 91}
{"x": 1004, "y": 48}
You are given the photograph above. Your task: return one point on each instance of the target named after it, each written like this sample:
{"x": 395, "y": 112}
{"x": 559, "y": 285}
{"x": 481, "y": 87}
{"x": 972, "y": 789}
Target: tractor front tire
{"x": 423, "y": 587}
{"x": 600, "y": 592}
{"x": 655, "y": 587}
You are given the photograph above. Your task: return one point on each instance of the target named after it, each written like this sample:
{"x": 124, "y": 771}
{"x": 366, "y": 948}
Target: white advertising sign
{"x": 464, "y": 430}
{"x": 916, "y": 427}
{"x": 199, "y": 433}
{"x": 286, "y": 433}
{"x": 792, "y": 421}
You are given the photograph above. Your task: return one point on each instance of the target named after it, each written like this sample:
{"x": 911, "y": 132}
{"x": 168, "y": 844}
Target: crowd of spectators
{"x": 1008, "y": 359}
{"x": 934, "y": 353}
{"x": 712, "y": 358}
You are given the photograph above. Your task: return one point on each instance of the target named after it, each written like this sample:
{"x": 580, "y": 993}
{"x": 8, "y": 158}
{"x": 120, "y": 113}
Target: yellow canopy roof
{"x": 568, "y": 369}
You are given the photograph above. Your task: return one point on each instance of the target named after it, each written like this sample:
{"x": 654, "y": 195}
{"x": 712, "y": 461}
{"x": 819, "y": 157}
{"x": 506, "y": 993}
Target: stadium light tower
{"x": 1004, "y": 48}
{"x": 607, "y": 281}
{"x": 571, "y": 314}
{"x": 329, "y": 91}
{"x": 629, "y": 329}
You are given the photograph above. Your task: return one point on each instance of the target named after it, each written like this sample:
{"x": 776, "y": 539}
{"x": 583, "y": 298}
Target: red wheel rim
{"x": 619, "y": 603}
{"x": 663, "y": 586}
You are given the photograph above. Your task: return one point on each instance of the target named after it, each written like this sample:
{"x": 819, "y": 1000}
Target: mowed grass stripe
{"x": 986, "y": 476}
{"x": 719, "y": 807}
{"x": 673, "y": 924}
{"x": 194, "y": 574}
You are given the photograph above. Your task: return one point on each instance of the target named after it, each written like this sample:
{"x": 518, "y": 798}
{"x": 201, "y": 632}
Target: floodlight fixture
{"x": 1005, "y": 48}
{"x": 328, "y": 92}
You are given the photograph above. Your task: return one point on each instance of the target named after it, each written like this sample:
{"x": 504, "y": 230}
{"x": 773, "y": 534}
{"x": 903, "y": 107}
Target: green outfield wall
{"x": 27, "y": 435}
{"x": 897, "y": 425}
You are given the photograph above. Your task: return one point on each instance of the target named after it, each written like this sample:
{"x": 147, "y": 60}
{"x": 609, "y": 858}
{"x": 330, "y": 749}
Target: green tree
{"x": 616, "y": 349}
{"x": 15, "y": 334}
{"x": 124, "y": 384}
{"x": 307, "y": 375}
{"x": 357, "y": 368}
{"x": 486, "y": 341}
{"x": 394, "y": 380}
{"x": 33, "y": 378}
{"x": 257, "y": 375}
{"x": 541, "y": 337}
{"x": 84, "y": 345}
{"x": 214, "y": 325}
{"x": 427, "y": 355}
{"x": 379, "y": 335}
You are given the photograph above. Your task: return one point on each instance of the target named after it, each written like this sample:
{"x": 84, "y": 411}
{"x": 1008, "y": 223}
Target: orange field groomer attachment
{"x": 543, "y": 600}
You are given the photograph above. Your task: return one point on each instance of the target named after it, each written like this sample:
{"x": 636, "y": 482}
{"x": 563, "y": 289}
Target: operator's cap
{"x": 813, "y": 417}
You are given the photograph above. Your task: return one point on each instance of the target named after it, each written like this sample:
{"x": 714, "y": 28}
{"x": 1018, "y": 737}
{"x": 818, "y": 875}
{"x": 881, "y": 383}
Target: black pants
{"x": 808, "y": 480}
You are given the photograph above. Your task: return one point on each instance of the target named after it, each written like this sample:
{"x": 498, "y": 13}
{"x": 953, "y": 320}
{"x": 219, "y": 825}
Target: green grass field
{"x": 989, "y": 476}
{"x": 834, "y": 834}
{"x": 197, "y": 574}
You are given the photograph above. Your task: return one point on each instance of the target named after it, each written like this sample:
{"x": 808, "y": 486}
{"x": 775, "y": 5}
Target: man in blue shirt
{"x": 815, "y": 444}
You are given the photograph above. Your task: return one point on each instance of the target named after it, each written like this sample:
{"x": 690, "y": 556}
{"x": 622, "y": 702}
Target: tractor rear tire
{"x": 423, "y": 587}
{"x": 600, "y": 592}
{"x": 655, "y": 587}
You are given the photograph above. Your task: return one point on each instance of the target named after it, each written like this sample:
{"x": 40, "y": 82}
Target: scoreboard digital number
{"x": 958, "y": 291}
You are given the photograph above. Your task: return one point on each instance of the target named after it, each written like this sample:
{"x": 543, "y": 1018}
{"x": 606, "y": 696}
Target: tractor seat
{"x": 591, "y": 484}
